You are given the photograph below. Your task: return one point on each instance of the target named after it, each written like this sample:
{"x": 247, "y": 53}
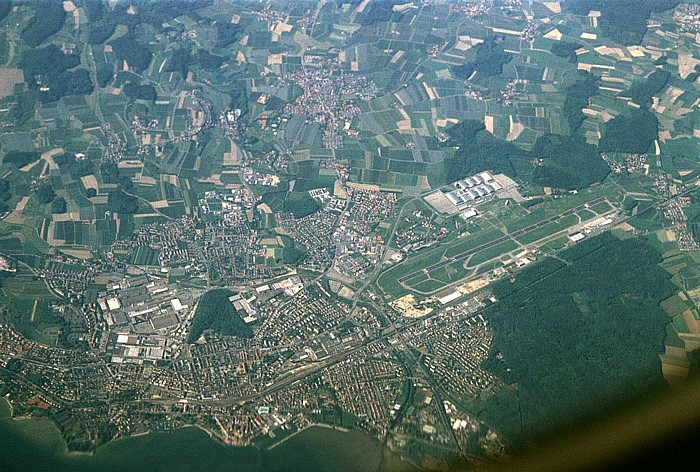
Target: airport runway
{"x": 490, "y": 244}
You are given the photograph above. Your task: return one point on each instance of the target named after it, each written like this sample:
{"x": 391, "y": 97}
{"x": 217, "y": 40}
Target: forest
{"x": 575, "y": 345}
{"x": 379, "y": 12}
{"x": 122, "y": 203}
{"x": 20, "y": 158}
{"x": 105, "y": 73}
{"x": 215, "y": 312}
{"x": 633, "y": 133}
{"x": 50, "y": 67}
{"x": 227, "y": 34}
{"x": 5, "y": 195}
{"x": 489, "y": 60}
{"x": 239, "y": 98}
{"x": 208, "y": 61}
{"x": 140, "y": 92}
{"x": 642, "y": 91}
{"x": 43, "y": 25}
{"x": 59, "y": 205}
{"x": 179, "y": 61}
{"x": 625, "y": 21}
{"x": 24, "y": 107}
{"x": 45, "y": 194}
{"x": 300, "y": 204}
{"x": 134, "y": 53}
{"x": 568, "y": 162}
{"x": 5, "y": 8}
{"x": 147, "y": 12}
{"x": 76, "y": 168}
{"x": 102, "y": 34}
{"x": 479, "y": 150}
{"x": 577, "y": 96}
{"x": 566, "y": 50}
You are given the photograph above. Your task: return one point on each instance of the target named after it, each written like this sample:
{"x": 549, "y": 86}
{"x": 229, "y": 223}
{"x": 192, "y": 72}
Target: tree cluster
{"x": 624, "y": 21}
{"x": 568, "y": 162}
{"x": 633, "y": 133}
{"x": 489, "y": 61}
{"x": 479, "y": 150}
{"x": 48, "y": 19}
{"x": 53, "y": 74}
{"x": 577, "y": 96}
{"x": 578, "y": 343}
{"x": 20, "y": 158}
{"x": 216, "y": 313}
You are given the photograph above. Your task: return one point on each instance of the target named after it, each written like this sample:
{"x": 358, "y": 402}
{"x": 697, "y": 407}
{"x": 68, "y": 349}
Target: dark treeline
{"x": 569, "y": 162}
{"x": 480, "y": 150}
{"x": 642, "y": 91}
{"x": 579, "y": 343}
{"x": 625, "y": 21}
{"x": 216, "y": 313}
{"x": 577, "y": 96}
{"x": 49, "y": 67}
{"x": 47, "y": 21}
{"x": 566, "y": 50}
{"x": 489, "y": 61}
{"x": 633, "y": 133}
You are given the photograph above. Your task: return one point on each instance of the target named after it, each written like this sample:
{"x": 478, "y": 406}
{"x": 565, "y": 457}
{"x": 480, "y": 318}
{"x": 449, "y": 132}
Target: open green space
{"x": 548, "y": 229}
{"x": 492, "y": 253}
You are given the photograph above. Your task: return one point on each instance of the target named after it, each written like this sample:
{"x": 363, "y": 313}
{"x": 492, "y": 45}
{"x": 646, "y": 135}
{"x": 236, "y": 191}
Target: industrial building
{"x": 471, "y": 189}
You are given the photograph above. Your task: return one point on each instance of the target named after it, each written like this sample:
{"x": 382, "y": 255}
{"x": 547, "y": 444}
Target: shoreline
{"x": 299, "y": 431}
{"x": 11, "y": 408}
{"x": 69, "y": 452}
{"x": 211, "y": 434}
{"x": 251, "y": 453}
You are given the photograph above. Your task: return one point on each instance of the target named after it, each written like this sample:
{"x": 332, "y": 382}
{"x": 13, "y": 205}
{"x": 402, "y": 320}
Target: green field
{"x": 548, "y": 229}
{"x": 25, "y": 299}
{"x": 492, "y": 253}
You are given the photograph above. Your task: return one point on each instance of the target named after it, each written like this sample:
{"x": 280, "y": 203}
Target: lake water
{"x": 31, "y": 445}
